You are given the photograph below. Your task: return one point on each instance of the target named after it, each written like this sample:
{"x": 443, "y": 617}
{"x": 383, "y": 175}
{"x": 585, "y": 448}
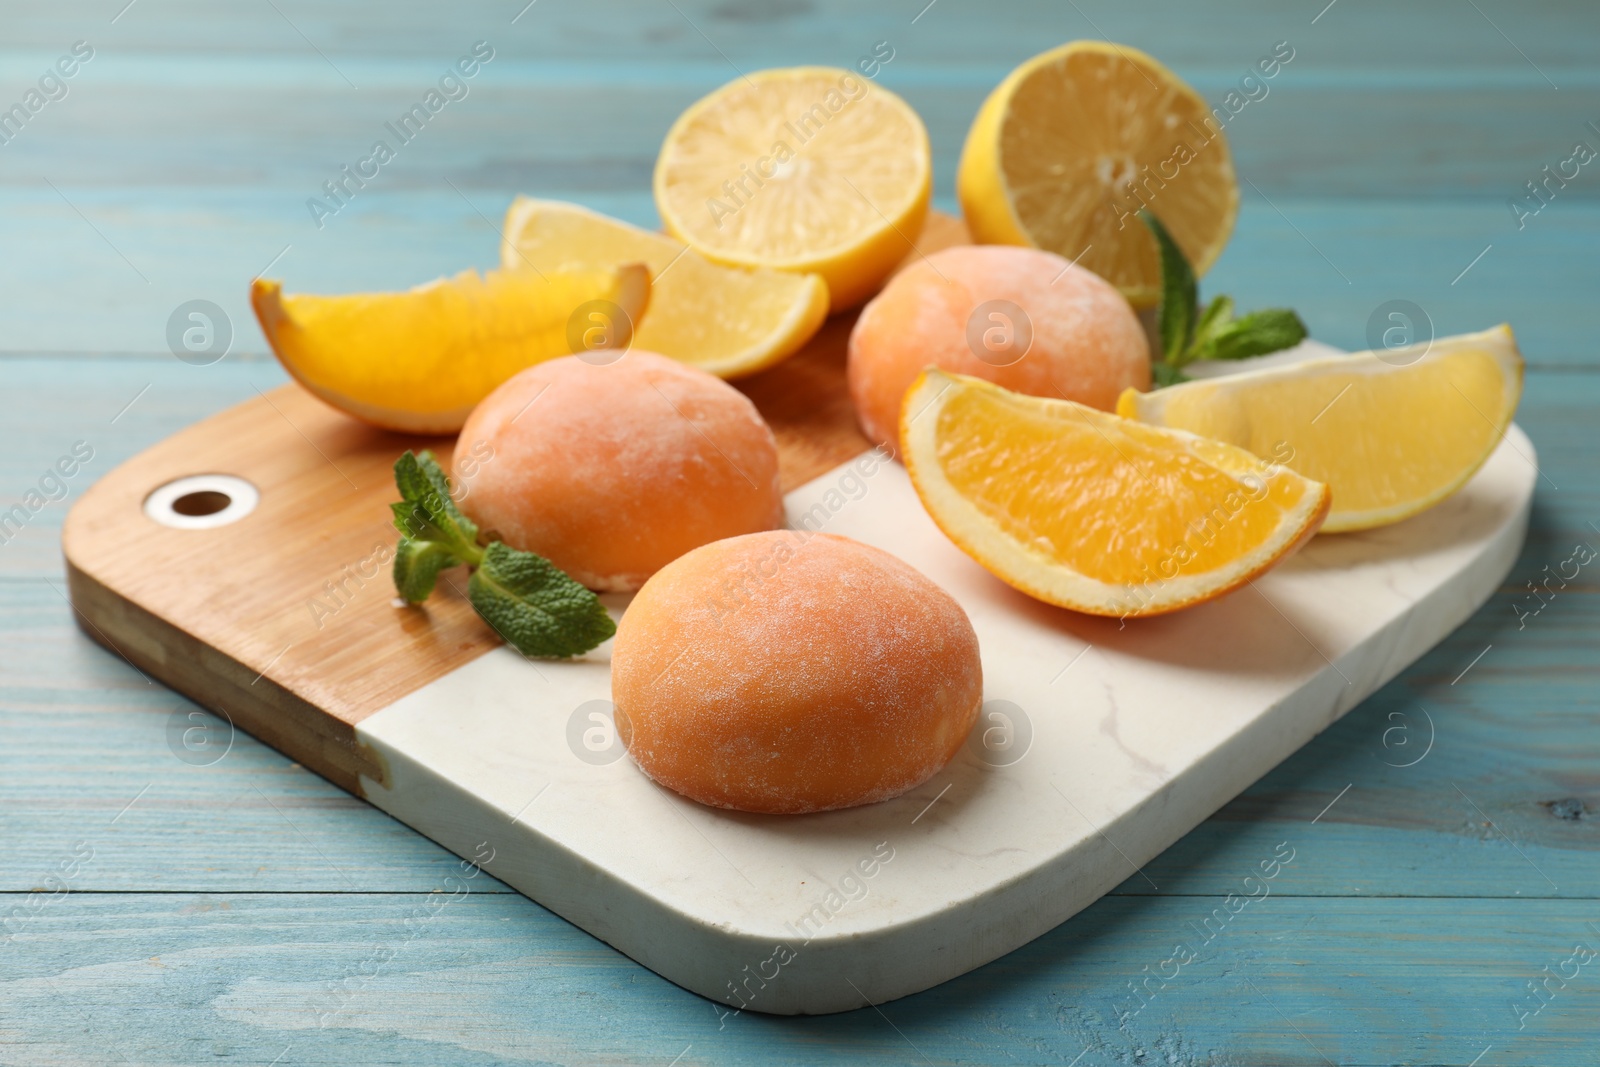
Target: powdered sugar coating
{"x": 788, "y": 672}
{"x": 1087, "y": 344}
{"x": 612, "y": 471}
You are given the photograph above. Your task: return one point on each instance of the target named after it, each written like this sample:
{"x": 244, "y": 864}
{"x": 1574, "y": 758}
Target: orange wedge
{"x": 419, "y": 361}
{"x": 1093, "y": 512}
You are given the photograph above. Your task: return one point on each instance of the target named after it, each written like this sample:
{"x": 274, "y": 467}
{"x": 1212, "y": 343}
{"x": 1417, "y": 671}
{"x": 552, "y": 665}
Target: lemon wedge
{"x": 1391, "y": 432}
{"x": 724, "y": 320}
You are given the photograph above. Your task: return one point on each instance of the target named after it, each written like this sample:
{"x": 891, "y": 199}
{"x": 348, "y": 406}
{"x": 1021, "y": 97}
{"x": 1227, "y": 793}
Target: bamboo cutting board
{"x": 1099, "y": 744}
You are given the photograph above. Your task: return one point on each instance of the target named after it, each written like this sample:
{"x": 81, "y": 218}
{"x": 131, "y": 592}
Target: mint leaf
{"x": 426, "y": 512}
{"x": 1165, "y": 374}
{"x": 1213, "y": 333}
{"x": 1213, "y": 320}
{"x": 417, "y": 565}
{"x": 1179, "y": 294}
{"x": 524, "y": 597}
{"x": 534, "y": 605}
{"x": 1255, "y": 334}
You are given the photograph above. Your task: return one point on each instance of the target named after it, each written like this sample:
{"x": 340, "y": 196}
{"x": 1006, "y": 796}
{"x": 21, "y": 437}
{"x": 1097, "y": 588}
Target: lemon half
{"x": 808, "y": 169}
{"x": 1075, "y": 141}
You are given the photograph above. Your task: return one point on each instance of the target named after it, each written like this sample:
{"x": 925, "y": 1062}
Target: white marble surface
{"x": 1138, "y": 733}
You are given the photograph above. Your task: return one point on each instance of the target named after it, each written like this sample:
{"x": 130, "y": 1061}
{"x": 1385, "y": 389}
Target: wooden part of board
{"x": 284, "y": 621}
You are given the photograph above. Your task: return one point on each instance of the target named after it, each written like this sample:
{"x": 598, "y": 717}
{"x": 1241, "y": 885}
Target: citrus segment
{"x": 1093, "y": 512}
{"x": 1074, "y": 142}
{"x": 808, "y": 169}
{"x": 724, "y": 320}
{"x": 419, "y": 361}
{"x": 1392, "y": 432}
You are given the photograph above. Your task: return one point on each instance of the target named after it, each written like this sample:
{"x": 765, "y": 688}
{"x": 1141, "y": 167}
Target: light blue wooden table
{"x": 1446, "y": 833}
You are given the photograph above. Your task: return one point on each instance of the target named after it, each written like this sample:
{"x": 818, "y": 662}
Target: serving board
{"x": 1100, "y": 742}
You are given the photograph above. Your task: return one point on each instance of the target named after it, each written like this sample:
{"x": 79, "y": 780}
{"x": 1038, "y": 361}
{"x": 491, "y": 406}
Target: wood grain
{"x": 288, "y": 608}
{"x": 460, "y": 977}
{"x": 190, "y": 145}
{"x": 1359, "y": 133}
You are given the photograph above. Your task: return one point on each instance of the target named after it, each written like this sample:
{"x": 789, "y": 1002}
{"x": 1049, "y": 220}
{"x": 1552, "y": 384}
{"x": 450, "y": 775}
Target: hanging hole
{"x": 202, "y": 501}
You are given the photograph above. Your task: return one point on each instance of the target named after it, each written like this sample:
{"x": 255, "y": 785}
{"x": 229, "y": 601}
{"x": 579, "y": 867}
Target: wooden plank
{"x": 209, "y": 244}
{"x": 115, "y": 409}
{"x": 1346, "y": 99}
{"x": 949, "y": 36}
{"x": 455, "y": 976}
{"x": 1470, "y": 774}
{"x": 1316, "y": 132}
{"x": 184, "y": 214}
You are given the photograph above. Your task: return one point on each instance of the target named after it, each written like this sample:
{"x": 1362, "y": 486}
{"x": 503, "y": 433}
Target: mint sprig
{"x": 1189, "y": 334}
{"x": 1179, "y": 294}
{"x": 535, "y": 606}
{"x": 1254, "y": 334}
{"x": 526, "y": 599}
{"x": 417, "y": 565}
{"x": 434, "y": 533}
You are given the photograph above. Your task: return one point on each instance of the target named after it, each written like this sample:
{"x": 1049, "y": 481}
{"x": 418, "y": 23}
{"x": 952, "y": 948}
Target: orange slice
{"x": 1066, "y": 150}
{"x": 419, "y": 361}
{"x": 1093, "y": 512}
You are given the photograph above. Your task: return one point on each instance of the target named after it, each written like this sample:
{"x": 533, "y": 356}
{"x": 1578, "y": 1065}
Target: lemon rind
{"x": 1499, "y": 342}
